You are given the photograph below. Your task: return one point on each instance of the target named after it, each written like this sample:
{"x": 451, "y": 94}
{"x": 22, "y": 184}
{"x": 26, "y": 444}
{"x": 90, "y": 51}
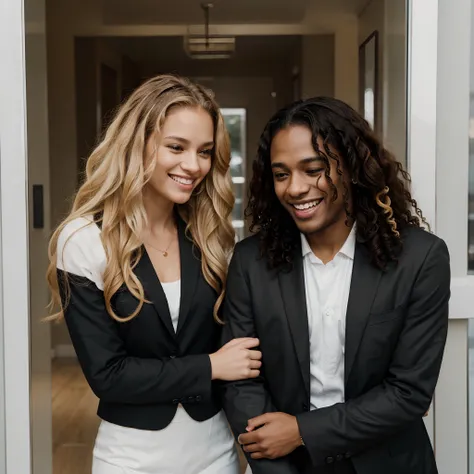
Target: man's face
{"x": 301, "y": 184}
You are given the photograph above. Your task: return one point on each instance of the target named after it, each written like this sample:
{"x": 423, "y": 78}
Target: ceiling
{"x": 165, "y": 49}
{"x": 182, "y": 12}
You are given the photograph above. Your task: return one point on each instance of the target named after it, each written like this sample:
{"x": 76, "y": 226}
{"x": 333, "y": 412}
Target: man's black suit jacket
{"x": 396, "y": 328}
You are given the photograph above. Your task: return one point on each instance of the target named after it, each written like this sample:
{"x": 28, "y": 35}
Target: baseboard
{"x": 64, "y": 351}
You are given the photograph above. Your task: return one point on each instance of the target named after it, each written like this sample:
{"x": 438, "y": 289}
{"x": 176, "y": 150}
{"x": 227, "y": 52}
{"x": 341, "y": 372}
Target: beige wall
{"x": 346, "y": 61}
{"x": 395, "y": 73}
{"x": 388, "y": 17}
{"x": 38, "y": 173}
{"x": 372, "y": 19}
{"x": 317, "y": 66}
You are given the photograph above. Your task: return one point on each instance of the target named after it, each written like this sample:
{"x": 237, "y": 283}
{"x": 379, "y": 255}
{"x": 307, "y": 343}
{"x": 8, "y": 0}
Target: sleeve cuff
{"x": 312, "y": 438}
{"x": 204, "y": 371}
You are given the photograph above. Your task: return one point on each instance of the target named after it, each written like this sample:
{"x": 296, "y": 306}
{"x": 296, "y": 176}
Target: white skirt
{"x": 185, "y": 446}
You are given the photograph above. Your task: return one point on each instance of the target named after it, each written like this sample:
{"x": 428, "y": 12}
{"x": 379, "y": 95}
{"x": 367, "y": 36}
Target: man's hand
{"x": 271, "y": 436}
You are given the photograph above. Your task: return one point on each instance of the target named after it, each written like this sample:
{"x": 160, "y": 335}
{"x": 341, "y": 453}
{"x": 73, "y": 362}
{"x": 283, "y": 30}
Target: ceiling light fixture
{"x": 209, "y": 46}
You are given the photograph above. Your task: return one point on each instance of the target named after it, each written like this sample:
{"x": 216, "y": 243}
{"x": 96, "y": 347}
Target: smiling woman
{"x": 138, "y": 271}
{"x": 184, "y": 159}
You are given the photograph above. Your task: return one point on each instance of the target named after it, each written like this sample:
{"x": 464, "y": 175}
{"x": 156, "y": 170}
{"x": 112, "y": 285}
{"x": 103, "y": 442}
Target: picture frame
{"x": 369, "y": 79}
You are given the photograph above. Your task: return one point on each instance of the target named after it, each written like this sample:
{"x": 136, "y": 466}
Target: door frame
{"x": 438, "y": 110}
{"x": 14, "y": 279}
{"x": 438, "y": 160}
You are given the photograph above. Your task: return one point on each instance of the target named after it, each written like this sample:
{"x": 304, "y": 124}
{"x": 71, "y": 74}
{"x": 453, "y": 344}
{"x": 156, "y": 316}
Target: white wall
{"x": 452, "y": 171}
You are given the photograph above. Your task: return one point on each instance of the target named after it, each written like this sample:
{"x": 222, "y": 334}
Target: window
{"x": 235, "y": 120}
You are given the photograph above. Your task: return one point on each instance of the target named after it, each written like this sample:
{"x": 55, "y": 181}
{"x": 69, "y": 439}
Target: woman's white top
{"x": 173, "y": 295}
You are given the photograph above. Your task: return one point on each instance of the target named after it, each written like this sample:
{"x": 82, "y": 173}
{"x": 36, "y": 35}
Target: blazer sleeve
{"x": 112, "y": 374}
{"x": 406, "y": 393}
{"x": 246, "y": 399}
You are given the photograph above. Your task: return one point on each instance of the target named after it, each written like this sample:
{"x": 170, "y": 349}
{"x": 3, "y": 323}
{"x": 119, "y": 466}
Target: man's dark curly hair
{"x": 382, "y": 205}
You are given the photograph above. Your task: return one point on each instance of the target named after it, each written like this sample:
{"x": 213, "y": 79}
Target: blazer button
{"x": 347, "y": 455}
{"x": 172, "y": 356}
{"x": 329, "y": 460}
{"x": 198, "y": 398}
{"x": 339, "y": 457}
{"x": 190, "y": 399}
{"x": 175, "y": 401}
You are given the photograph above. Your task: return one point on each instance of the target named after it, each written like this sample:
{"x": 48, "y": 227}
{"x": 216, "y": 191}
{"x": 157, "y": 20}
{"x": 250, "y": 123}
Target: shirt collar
{"x": 348, "y": 249}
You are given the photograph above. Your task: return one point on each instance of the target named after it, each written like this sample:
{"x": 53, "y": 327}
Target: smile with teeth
{"x": 307, "y": 205}
{"x": 181, "y": 180}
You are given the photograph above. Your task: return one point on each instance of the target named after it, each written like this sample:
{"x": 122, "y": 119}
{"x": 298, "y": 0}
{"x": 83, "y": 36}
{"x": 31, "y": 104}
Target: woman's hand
{"x": 236, "y": 360}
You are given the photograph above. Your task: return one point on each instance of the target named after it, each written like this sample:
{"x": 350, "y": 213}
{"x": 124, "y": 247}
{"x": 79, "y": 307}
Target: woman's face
{"x": 182, "y": 151}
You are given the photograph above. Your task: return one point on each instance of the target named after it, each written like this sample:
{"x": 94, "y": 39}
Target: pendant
{"x": 165, "y": 254}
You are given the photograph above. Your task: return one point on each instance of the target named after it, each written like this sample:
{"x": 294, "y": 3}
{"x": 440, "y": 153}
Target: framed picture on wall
{"x": 368, "y": 79}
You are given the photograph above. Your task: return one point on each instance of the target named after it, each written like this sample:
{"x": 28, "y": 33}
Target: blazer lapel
{"x": 292, "y": 288}
{"x": 364, "y": 283}
{"x": 153, "y": 290}
{"x": 190, "y": 269}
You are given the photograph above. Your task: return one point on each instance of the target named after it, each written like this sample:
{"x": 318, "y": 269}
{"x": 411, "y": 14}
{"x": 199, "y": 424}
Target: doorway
{"x": 331, "y": 43}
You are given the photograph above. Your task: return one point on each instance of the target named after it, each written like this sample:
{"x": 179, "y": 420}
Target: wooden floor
{"x": 75, "y": 422}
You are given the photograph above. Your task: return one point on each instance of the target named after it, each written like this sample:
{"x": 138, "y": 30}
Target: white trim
{"x": 461, "y": 305}
{"x": 421, "y": 91}
{"x": 452, "y": 138}
{"x": 64, "y": 351}
{"x": 14, "y": 238}
{"x": 422, "y": 68}
{"x": 450, "y": 202}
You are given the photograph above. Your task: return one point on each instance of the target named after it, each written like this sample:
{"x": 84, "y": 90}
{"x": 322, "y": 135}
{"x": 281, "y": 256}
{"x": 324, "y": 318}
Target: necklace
{"x": 163, "y": 252}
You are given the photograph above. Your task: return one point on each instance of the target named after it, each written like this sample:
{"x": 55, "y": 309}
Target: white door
{"x": 14, "y": 292}
{"x": 25, "y": 365}
{"x": 438, "y": 98}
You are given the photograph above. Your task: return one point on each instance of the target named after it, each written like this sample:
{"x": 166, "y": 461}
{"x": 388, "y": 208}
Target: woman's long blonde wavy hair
{"x": 116, "y": 173}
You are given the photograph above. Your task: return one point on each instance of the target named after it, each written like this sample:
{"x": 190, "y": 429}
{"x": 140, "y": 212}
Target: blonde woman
{"x": 138, "y": 270}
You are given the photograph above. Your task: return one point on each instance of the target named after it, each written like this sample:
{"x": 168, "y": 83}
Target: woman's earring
{"x": 354, "y": 181}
